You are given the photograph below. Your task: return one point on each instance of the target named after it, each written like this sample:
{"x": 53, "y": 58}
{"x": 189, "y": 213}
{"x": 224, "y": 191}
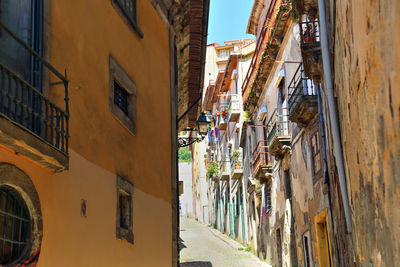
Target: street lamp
{"x": 202, "y": 128}
{"x": 202, "y": 124}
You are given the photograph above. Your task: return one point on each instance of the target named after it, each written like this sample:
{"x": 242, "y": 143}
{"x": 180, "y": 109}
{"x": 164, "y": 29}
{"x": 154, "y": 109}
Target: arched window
{"x": 15, "y": 225}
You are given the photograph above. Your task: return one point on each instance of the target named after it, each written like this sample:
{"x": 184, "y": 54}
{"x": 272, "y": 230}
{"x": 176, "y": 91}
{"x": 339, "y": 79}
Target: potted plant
{"x": 235, "y": 158}
{"x": 212, "y": 170}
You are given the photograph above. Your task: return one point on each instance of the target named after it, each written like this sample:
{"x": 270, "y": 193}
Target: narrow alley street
{"x": 202, "y": 246}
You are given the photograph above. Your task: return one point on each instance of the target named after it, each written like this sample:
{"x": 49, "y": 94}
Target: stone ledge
{"x": 27, "y": 144}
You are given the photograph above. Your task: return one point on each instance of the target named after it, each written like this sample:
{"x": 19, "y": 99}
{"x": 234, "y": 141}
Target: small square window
{"x": 124, "y": 210}
{"x": 122, "y": 97}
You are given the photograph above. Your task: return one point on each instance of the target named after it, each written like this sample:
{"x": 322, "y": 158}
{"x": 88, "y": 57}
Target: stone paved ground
{"x": 202, "y": 247}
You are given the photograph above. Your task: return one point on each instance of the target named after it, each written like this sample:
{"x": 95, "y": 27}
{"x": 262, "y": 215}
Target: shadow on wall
{"x": 196, "y": 264}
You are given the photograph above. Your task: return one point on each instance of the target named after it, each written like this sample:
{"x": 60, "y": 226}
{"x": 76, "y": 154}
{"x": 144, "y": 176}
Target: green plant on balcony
{"x": 235, "y": 158}
{"x": 212, "y": 170}
{"x": 246, "y": 115}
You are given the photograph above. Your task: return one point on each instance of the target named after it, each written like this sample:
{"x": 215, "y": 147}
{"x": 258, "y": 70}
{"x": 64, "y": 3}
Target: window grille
{"x": 14, "y": 225}
{"x": 121, "y": 97}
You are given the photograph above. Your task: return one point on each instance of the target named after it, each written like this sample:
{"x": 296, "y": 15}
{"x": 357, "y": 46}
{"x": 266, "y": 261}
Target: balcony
{"x": 32, "y": 125}
{"x": 234, "y": 109}
{"x": 279, "y": 139}
{"x": 222, "y": 122}
{"x": 310, "y": 46}
{"x": 303, "y": 100}
{"x": 236, "y": 167}
{"x": 224, "y": 170}
{"x": 262, "y": 166}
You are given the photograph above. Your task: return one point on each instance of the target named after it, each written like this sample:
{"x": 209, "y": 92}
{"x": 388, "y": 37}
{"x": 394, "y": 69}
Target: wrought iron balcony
{"x": 224, "y": 169}
{"x": 278, "y": 133}
{"x": 303, "y": 101}
{"x": 236, "y": 167}
{"x": 310, "y": 46}
{"x": 29, "y": 116}
{"x": 262, "y": 166}
{"x": 234, "y": 109}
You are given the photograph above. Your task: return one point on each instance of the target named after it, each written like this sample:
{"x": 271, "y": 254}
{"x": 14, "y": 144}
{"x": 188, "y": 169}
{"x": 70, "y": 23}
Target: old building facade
{"x": 318, "y": 136}
{"x": 83, "y": 84}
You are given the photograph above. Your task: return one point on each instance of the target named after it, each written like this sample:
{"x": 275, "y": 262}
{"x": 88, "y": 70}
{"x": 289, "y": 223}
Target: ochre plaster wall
{"x": 83, "y": 36}
{"x": 72, "y": 240}
{"x": 367, "y": 59}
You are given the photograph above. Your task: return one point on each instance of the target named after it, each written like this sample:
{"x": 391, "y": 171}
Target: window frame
{"x": 307, "y": 248}
{"x": 117, "y": 74}
{"x": 132, "y": 22}
{"x": 126, "y": 188}
{"x": 316, "y": 174}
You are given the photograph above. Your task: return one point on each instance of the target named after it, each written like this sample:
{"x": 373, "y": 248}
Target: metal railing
{"x": 278, "y": 124}
{"x": 300, "y": 86}
{"x": 261, "y": 156}
{"x": 309, "y": 32}
{"x": 29, "y": 108}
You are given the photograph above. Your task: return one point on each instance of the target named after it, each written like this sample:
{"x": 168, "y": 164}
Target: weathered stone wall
{"x": 367, "y": 59}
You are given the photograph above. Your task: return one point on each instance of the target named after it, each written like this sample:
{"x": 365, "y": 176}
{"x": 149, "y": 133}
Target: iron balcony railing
{"x": 309, "y": 32}
{"x": 261, "y": 157}
{"x": 29, "y": 108}
{"x": 299, "y": 87}
{"x": 278, "y": 124}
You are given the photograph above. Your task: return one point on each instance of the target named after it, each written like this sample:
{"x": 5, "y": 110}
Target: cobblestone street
{"x": 205, "y": 247}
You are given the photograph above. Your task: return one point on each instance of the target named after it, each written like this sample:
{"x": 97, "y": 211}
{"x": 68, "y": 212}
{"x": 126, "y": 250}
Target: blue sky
{"x": 228, "y": 20}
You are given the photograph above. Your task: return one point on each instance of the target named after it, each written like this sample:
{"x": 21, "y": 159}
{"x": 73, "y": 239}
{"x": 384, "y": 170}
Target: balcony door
{"x": 24, "y": 18}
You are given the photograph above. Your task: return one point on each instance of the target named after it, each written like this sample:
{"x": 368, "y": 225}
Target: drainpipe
{"x": 333, "y": 114}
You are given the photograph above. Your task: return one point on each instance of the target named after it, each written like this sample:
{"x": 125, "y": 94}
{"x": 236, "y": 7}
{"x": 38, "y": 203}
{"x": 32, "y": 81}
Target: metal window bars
{"x": 309, "y": 31}
{"x": 14, "y": 225}
{"x": 29, "y": 108}
{"x": 300, "y": 86}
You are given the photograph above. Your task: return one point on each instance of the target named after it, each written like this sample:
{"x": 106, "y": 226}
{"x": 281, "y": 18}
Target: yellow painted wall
{"x": 83, "y": 34}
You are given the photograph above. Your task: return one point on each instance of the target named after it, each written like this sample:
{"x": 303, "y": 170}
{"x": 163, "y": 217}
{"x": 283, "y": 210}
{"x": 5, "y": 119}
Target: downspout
{"x": 333, "y": 114}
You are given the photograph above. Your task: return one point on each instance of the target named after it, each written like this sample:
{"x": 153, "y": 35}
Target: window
{"x": 15, "y": 225}
{"x": 316, "y": 153}
{"x": 128, "y": 10}
{"x": 307, "y": 249}
{"x": 267, "y": 197}
{"x": 124, "y": 209}
{"x": 288, "y": 189}
{"x": 122, "y": 97}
